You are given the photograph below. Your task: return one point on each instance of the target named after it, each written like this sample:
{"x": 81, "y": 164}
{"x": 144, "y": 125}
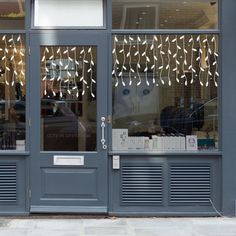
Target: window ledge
{"x": 14, "y": 153}
{"x": 154, "y": 153}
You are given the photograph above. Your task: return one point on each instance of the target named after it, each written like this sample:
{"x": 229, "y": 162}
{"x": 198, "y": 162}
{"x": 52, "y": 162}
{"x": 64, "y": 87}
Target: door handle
{"x": 103, "y": 126}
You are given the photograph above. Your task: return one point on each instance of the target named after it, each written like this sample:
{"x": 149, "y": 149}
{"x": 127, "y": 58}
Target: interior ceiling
{"x": 171, "y": 13}
{"x": 11, "y": 6}
{"x": 176, "y": 14}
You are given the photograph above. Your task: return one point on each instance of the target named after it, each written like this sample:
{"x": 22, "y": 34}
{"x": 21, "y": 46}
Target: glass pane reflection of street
{"x": 68, "y": 98}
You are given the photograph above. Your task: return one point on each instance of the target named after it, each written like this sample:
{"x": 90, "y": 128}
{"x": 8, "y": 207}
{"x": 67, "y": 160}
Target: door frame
{"x": 41, "y": 166}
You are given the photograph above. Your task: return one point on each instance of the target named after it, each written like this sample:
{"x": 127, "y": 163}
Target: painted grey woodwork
{"x": 222, "y": 180}
{"x": 196, "y": 173}
{"x": 68, "y": 188}
{"x": 190, "y": 184}
{"x": 8, "y": 183}
{"x": 141, "y": 184}
{"x": 13, "y": 185}
{"x": 228, "y": 85}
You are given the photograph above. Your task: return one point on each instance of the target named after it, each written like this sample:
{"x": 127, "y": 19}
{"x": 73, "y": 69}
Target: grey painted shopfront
{"x": 118, "y": 107}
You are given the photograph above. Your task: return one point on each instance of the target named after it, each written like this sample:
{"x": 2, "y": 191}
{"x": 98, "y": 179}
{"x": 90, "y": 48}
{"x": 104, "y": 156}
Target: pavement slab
{"x": 32, "y": 226}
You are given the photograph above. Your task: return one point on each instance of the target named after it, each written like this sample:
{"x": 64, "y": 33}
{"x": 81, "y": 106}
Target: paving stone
{"x": 119, "y": 227}
{"x": 21, "y": 224}
{"x": 3, "y": 223}
{"x": 105, "y": 231}
{"x": 217, "y": 229}
{"x": 157, "y": 222}
{"x": 14, "y": 232}
{"x": 58, "y": 224}
{"x": 105, "y": 222}
{"x": 164, "y": 231}
{"x": 38, "y": 232}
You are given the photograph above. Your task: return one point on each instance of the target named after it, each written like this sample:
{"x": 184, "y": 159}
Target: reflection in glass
{"x": 12, "y": 92}
{"x": 12, "y": 14}
{"x": 166, "y": 86}
{"x": 165, "y": 14}
{"x": 68, "y": 98}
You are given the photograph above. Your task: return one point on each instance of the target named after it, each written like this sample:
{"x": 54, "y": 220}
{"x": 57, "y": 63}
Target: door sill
{"x": 68, "y": 209}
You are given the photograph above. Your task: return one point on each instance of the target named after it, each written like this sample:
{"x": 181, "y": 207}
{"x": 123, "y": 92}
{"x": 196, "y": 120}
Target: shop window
{"x": 12, "y": 14}
{"x": 165, "y": 14}
{"x": 68, "y": 13}
{"x": 68, "y": 98}
{"x": 12, "y": 92}
{"x": 165, "y": 92}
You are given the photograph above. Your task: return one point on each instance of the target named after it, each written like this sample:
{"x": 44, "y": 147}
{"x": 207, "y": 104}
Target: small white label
{"x": 68, "y": 160}
{"x": 191, "y": 143}
{"x": 116, "y": 162}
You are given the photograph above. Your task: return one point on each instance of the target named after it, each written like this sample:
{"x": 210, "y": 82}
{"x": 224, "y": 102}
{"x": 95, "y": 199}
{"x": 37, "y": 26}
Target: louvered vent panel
{"x": 141, "y": 185}
{"x": 190, "y": 184}
{"x": 7, "y": 183}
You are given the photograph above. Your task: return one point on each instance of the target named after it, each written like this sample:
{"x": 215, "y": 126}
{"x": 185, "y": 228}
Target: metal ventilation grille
{"x": 190, "y": 184}
{"x": 141, "y": 185}
{"x": 7, "y": 183}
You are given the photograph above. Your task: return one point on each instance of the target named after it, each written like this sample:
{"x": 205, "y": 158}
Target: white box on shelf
{"x": 154, "y": 142}
{"x": 119, "y": 139}
{"x": 131, "y": 143}
{"x": 165, "y": 143}
{"x": 170, "y": 143}
{"x": 20, "y": 145}
{"x": 173, "y": 145}
{"x": 139, "y": 142}
{"x": 160, "y": 146}
{"x": 182, "y": 143}
{"x": 177, "y": 143}
{"x": 146, "y": 143}
{"x": 150, "y": 144}
{"x": 191, "y": 143}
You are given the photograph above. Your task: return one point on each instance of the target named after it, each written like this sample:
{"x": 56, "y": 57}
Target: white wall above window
{"x": 68, "y": 13}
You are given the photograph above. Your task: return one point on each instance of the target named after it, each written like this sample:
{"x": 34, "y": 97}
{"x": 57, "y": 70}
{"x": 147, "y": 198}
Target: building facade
{"x": 117, "y": 107}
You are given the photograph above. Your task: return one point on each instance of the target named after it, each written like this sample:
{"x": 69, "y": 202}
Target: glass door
{"x": 69, "y": 128}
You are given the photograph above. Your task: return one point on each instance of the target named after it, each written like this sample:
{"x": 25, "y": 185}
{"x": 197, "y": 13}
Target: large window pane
{"x": 68, "y": 98}
{"x": 165, "y": 90}
{"x": 12, "y": 92}
{"x": 12, "y": 14}
{"x": 68, "y": 13}
{"x": 165, "y": 14}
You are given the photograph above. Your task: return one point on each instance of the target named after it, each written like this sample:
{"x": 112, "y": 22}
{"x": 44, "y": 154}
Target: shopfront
{"x": 117, "y": 107}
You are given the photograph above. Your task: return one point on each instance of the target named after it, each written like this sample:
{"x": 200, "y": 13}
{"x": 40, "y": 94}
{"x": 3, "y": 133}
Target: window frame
{"x": 218, "y": 32}
{"x": 25, "y": 33}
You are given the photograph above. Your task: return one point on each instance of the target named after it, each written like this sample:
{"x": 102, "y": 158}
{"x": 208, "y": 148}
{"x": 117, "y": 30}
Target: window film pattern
{"x": 12, "y": 92}
{"x": 165, "y": 92}
{"x": 68, "y": 98}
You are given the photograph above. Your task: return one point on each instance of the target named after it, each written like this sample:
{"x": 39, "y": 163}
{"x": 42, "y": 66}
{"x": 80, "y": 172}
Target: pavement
{"x": 117, "y": 226}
